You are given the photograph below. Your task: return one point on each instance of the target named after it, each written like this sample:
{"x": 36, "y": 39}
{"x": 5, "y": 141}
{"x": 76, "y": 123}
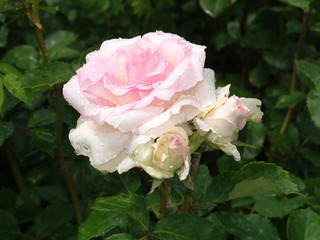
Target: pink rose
{"x": 225, "y": 118}
{"x": 132, "y": 87}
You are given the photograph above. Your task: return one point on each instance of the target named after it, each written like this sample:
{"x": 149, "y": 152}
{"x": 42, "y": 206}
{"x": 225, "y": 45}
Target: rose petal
{"x": 185, "y": 108}
{"x": 255, "y": 106}
{"x": 103, "y": 144}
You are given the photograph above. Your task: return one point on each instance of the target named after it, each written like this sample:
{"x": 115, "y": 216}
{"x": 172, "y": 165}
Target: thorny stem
{"x": 193, "y": 174}
{"x": 164, "y": 198}
{"x": 35, "y": 21}
{"x": 293, "y": 82}
{"x": 16, "y": 172}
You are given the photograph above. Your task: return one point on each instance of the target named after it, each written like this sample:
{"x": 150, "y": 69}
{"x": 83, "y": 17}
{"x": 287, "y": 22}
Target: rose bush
{"x": 133, "y": 88}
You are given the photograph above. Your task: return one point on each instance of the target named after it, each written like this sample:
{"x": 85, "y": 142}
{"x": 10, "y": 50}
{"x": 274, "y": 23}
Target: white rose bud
{"x": 164, "y": 156}
{"x": 224, "y": 120}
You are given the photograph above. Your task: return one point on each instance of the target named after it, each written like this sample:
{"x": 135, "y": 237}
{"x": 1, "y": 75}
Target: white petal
{"x": 184, "y": 171}
{"x": 255, "y": 106}
{"x": 73, "y": 95}
{"x": 205, "y": 90}
{"x": 201, "y": 126}
{"x": 103, "y": 144}
{"x": 183, "y": 110}
{"x": 223, "y": 92}
{"x": 231, "y": 150}
{"x": 126, "y": 165}
{"x": 157, "y": 172}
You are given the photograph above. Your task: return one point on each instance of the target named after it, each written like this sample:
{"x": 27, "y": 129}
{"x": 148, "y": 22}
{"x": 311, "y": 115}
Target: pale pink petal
{"x": 108, "y": 47}
{"x": 185, "y": 108}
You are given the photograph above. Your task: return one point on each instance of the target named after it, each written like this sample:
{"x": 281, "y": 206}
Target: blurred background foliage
{"x": 267, "y": 49}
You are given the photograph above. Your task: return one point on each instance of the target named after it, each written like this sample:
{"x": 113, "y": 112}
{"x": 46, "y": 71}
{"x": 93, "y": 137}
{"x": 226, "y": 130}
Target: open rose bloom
{"x": 134, "y": 97}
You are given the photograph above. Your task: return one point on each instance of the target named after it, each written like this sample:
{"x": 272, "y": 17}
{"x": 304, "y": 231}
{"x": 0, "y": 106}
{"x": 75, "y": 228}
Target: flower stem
{"x": 193, "y": 174}
{"x": 164, "y": 198}
{"x": 293, "y": 82}
{"x": 35, "y": 21}
{"x": 16, "y": 172}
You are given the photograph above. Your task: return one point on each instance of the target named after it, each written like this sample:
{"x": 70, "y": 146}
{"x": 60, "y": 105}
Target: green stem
{"x": 164, "y": 198}
{"x": 34, "y": 19}
{"x": 12, "y": 162}
{"x": 293, "y": 81}
{"x": 193, "y": 174}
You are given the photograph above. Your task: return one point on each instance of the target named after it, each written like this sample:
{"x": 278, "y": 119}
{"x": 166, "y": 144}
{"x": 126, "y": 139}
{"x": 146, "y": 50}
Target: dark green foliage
{"x": 272, "y": 193}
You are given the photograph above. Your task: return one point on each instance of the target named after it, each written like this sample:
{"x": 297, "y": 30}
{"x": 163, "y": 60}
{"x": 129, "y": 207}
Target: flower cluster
{"x": 136, "y": 97}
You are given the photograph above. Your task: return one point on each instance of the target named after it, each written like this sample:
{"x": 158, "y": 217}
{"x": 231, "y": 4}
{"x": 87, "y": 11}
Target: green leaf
{"x": 23, "y": 56}
{"x": 313, "y": 155}
{"x": 60, "y": 38}
{"x": 130, "y": 181}
{"x": 131, "y": 204}
{"x": 233, "y": 28}
{"x": 58, "y": 52}
{"x": 101, "y": 222}
{"x": 202, "y": 182}
{"x": 222, "y": 39}
{"x": 195, "y": 141}
{"x": 57, "y": 43}
{"x": 303, "y": 225}
{"x": 253, "y": 226}
{"x": 276, "y": 206}
{"x": 44, "y": 139}
{"x": 256, "y": 178}
{"x": 280, "y": 140}
{"x": 218, "y": 229}
{"x": 8, "y": 198}
{"x": 255, "y": 135}
{"x": 280, "y": 58}
{"x": 41, "y": 117}
{"x": 13, "y": 84}
{"x": 6, "y": 130}
{"x": 313, "y": 101}
{"x": 290, "y": 100}
{"x": 7, "y": 68}
{"x": 9, "y": 5}
{"x": 303, "y": 4}
{"x": 52, "y": 194}
{"x": 215, "y": 7}
{"x": 121, "y": 236}
{"x": 51, "y": 218}
{"x": 188, "y": 227}
{"x": 259, "y": 76}
{"x": 311, "y": 70}
{"x": 3, "y": 36}
{"x": 8, "y": 225}
{"x": 1, "y": 94}
{"x": 47, "y": 75}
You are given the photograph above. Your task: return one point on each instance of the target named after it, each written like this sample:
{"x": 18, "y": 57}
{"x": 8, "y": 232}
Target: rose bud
{"x": 226, "y": 118}
{"x": 164, "y": 156}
